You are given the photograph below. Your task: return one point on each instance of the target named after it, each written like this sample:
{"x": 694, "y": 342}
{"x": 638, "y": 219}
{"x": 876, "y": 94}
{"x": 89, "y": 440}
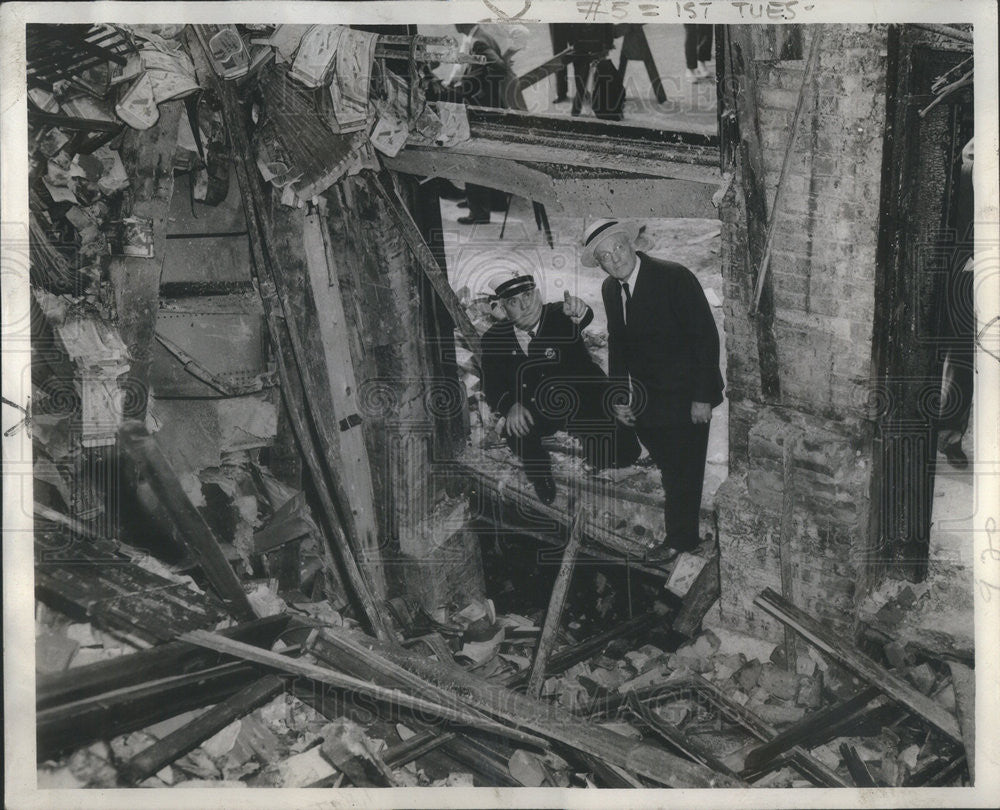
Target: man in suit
{"x": 663, "y": 340}
{"x": 539, "y": 376}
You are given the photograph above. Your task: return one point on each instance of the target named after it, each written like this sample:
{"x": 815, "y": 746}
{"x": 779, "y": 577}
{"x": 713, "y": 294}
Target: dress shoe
{"x": 471, "y": 220}
{"x": 545, "y": 488}
{"x": 561, "y": 100}
{"x": 955, "y": 455}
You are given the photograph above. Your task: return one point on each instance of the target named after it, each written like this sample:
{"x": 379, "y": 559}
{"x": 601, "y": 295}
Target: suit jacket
{"x": 556, "y": 356}
{"x": 670, "y": 346}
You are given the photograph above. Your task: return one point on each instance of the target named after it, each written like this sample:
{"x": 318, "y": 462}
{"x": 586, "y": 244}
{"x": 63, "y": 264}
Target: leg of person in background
{"x": 581, "y": 73}
{"x": 560, "y": 40}
{"x": 704, "y": 50}
{"x": 479, "y": 198}
{"x": 691, "y": 50}
{"x": 956, "y": 404}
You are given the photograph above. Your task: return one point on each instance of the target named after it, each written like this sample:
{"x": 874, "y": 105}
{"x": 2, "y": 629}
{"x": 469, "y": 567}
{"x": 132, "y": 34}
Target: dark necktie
{"x": 626, "y": 304}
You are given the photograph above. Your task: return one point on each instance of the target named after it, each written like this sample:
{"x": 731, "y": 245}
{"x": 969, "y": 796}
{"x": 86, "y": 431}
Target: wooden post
{"x": 699, "y": 599}
{"x": 148, "y": 158}
{"x": 785, "y": 544}
{"x": 411, "y": 233}
{"x": 321, "y": 267}
{"x": 786, "y": 161}
{"x": 195, "y": 533}
{"x": 295, "y": 382}
{"x": 743, "y": 97}
{"x": 557, "y": 601}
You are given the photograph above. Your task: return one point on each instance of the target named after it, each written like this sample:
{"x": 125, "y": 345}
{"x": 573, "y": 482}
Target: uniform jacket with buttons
{"x": 670, "y": 345}
{"x": 556, "y": 358}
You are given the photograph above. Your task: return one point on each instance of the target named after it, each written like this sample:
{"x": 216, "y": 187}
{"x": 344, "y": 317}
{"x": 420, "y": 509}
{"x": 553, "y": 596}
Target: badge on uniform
{"x": 550, "y": 354}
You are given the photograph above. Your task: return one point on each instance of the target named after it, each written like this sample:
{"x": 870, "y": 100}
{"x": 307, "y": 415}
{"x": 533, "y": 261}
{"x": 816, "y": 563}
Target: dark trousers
{"x": 479, "y": 198}
{"x": 560, "y": 40}
{"x": 679, "y": 451}
{"x": 606, "y": 442}
{"x": 581, "y": 73}
{"x": 697, "y": 44}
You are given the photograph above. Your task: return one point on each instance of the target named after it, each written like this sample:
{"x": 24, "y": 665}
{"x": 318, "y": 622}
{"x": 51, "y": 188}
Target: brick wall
{"x": 822, "y": 272}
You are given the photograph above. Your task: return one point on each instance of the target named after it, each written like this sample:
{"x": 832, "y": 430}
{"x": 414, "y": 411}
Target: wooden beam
{"x": 290, "y": 355}
{"x": 161, "y": 661}
{"x": 557, "y": 601}
{"x": 68, "y": 726}
{"x": 189, "y": 736}
{"x": 486, "y": 170}
{"x": 194, "y": 532}
{"x": 456, "y": 713}
{"x": 545, "y": 719}
{"x": 703, "y": 593}
{"x": 741, "y": 87}
{"x": 859, "y": 663}
{"x": 565, "y": 658}
{"x": 435, "y": 274}
{"x": 779, "y": 193}
{"x": 804, "y": 731}
{"x": 148, "y": 158}
{"x": 856, "y": 767}
{"x": 808, "y": 765}
{"x": 324, "y": 283}
{"x": 785, "y": 530}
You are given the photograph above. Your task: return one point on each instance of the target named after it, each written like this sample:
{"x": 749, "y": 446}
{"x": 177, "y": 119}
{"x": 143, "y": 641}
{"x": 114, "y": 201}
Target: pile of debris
{"x": 305, "y": 699}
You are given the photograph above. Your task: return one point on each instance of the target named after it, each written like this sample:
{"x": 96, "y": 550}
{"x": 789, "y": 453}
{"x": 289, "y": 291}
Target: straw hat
{"x": 596, "y": 234}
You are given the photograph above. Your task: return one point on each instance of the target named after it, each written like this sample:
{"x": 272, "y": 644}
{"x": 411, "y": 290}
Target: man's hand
{"x": 701, "y": 412}
{"x": 574, "y": 307}
{"x": 623, "y": 413}
{"x": 519, "y": 420}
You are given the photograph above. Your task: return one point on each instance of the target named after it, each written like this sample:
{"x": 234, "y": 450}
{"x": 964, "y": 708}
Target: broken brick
{"x": 778, "y": 682}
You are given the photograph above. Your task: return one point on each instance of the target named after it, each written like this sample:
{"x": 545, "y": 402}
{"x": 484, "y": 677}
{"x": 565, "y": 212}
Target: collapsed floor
{"x": 201, "y": 619}
{"x": 263, "y": 703}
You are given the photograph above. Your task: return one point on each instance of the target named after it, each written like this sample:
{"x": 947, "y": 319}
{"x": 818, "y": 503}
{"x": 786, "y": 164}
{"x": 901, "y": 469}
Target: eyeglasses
{"x": 618, "y": 251}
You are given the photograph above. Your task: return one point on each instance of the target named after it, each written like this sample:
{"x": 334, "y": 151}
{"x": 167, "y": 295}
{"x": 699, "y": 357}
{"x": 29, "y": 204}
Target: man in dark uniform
{"x": 663, "y": 340}
{"x": 540, "y": 378}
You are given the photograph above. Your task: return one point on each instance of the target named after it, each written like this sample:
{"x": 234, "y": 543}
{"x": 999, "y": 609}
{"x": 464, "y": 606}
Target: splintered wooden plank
{"x": 455, "y": 713}
{"x": 68, "y": 726}
{"x": 807, "y": 728}
{"x": 859, "y": 663}
{"x": 557, "y": 601}
{"x": 702, "y": 594}
{"x": 296, "y": 381}
{"x": 86, "y": 577}
{"x": 166, "y": 659}
{"x": 176, "y": 744}
{"x": 323, "y": 280}
{"x": 195, "y": 533}
{"x": 435, "y": 274}
{"x": 545, "y": 719}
